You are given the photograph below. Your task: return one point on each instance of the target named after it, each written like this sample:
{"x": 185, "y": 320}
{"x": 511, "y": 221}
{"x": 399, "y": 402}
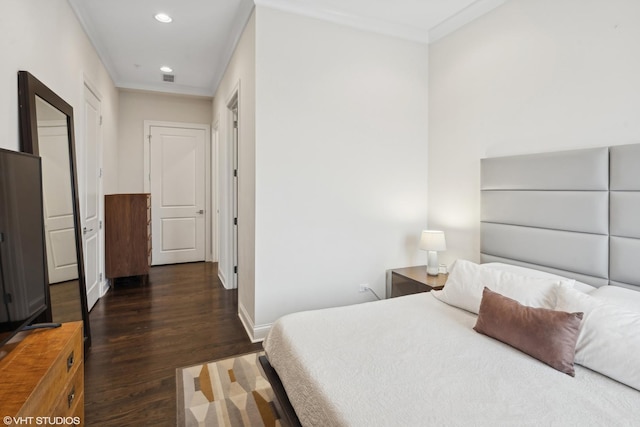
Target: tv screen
{"x": 23, "y": 281}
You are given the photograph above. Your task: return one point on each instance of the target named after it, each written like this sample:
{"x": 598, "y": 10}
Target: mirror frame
{"x": 28, "y": 88}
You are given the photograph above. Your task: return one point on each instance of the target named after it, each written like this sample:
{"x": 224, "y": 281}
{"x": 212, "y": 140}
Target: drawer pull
{"x": 71, "y": 396}
{"x": 70, "y": 361}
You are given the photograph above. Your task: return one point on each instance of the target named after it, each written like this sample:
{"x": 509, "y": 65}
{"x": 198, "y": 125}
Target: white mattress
{"x": 416, "y": 361}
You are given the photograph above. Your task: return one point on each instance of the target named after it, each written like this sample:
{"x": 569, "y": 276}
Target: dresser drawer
{"x": 404, "y": 286}
{"x": 39, "y": 372}
{"x": 78, "y": 410}
{"x": 61, "y": 371}
{"x": 72, "y": 393}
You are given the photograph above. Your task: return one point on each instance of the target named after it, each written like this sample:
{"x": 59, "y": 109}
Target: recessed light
{"x": 166, "y": 69}
{"x": 163, "y": 17}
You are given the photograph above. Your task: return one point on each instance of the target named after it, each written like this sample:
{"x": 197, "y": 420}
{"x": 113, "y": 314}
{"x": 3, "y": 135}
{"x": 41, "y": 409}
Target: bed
{"x": 559, "y": 232}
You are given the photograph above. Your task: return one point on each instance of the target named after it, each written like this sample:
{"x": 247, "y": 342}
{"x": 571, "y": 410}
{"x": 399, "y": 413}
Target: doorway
{"x": 177, "y": 177}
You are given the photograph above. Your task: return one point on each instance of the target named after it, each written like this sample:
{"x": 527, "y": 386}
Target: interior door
{"x": 177, "y": 175}
{"x": 92, "y": 195}
{"x": 58, "y": 206}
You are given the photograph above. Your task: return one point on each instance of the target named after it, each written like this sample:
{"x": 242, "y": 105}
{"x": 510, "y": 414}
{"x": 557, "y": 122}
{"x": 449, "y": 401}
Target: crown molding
{"x": 166, "y": 88}
{"x": 362, "y": 23}
{"x": 462, "y": 18}
{"x": 240, "y": 21}
{"x": 86, "y": 24}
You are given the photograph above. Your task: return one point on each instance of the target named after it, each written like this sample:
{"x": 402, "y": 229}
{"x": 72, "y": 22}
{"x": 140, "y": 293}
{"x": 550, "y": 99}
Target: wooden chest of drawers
{"x": 42, "y": 377}
{"x": 127, "y": 229}
{"x": 412, "y": 280}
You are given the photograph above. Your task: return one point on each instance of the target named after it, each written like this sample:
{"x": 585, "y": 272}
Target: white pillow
{"x": 466, "y": 281}
{"x": 524, "y": 271}
{"x": 616, "y": 295}
{"x": 609, "y": 338}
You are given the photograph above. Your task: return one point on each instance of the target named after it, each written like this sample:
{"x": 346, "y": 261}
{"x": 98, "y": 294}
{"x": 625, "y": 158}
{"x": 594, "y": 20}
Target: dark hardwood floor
{"x": 65, "y": 301}
{"x": 142, "y": 332}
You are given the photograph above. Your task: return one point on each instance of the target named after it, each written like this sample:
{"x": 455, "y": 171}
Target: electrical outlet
{"x": 363, "y": 288}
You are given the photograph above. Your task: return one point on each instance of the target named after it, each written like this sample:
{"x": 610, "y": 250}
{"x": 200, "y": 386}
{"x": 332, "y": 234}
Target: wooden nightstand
{"x": 412, "y": 280}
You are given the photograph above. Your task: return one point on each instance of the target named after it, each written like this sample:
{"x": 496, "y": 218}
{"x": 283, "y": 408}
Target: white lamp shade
{"x": 432, "y": 240}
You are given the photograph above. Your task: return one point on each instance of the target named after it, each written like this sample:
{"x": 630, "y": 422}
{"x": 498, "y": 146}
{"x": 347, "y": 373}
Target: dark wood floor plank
{"x": 142, "y": 332}
{"x": 65, "y": 301}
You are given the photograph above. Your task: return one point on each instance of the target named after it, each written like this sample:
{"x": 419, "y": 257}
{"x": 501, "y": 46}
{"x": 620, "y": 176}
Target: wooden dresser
{"x": 127, "y": 228}
{"x": 42, "y": 377}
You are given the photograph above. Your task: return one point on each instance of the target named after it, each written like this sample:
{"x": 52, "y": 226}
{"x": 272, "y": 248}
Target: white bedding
{"x": 416, "y": 361}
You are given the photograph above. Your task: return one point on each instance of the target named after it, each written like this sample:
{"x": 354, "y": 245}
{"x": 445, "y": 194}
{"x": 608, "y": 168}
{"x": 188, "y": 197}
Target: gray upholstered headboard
{"x": 624, "y": 228}
{"x": 574, "y": 213}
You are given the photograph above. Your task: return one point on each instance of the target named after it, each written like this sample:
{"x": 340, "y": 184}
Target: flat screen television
{"x": 23, "y": 274}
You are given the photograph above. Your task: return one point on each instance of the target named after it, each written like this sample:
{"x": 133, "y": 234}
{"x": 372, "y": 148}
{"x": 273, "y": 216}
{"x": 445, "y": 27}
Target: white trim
{"x": 93, "y": 88}
{"x": 255, "y": 333}
{"x": 462, "y": 18}
{"x": 164, "y": 88}
{"x": 362, "y": 23}
{"x": 207, "y": 174}
{"x": 215, "y": 194}
{"x": 87, "y": 23}
{"x": 380, "y": 26}
{"x": 233, "y": 99}
{"x": 233, "y": 94}
{"x": 240, "y": 21}
{"x": 260, "y": 332}
{"x": 243, "y": 15}
{"x": 222, "y": 277}
{"x": 106, "y": 285}
{"x": 208, "y": 214}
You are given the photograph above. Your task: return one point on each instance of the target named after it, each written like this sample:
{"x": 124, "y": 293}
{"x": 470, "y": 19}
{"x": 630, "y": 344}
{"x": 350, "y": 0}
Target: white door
{"x": 92, "y": 196}
{"x": 58, "y": 205}
{"x": 177, "y": 174}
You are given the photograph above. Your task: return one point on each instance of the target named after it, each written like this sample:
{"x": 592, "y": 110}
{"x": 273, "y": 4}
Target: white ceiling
{"x": 198, "y": 43}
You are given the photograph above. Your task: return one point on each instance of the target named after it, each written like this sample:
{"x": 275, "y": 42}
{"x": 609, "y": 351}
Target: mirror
{"x": 46, "y": 129}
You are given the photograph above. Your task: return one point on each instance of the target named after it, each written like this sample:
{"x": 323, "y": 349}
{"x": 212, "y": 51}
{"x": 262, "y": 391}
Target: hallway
{"x": 142, "y": 332}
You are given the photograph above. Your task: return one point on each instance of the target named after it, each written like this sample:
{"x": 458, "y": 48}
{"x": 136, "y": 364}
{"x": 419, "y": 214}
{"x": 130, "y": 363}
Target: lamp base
{"x": 432, "y": 263}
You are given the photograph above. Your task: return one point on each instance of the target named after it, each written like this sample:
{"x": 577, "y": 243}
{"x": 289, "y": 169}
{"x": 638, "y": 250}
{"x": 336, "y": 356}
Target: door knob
{"x": 201, "y": 211}
{"x": 86, "y": 230}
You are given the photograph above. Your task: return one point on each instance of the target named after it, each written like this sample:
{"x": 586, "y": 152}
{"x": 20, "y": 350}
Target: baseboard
{"x": 260, "y": 332}
{"x": 104, "y": 287}
{"x": 222, "y": 277}
{"x": 255, "y": 333}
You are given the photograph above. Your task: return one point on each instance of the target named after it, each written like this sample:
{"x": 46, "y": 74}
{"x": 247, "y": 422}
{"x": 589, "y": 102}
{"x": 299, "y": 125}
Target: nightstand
{"x": 412, "y": 280}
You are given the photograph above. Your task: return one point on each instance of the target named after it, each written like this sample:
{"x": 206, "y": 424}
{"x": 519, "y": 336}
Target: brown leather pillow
{"x": 549, "y": 336}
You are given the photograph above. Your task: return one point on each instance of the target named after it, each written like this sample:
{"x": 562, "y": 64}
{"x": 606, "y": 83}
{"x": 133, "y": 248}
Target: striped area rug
{"x": 229, "y": 392}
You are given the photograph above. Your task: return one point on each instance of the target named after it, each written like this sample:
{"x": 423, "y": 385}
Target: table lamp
{"x": 432, "y": 241}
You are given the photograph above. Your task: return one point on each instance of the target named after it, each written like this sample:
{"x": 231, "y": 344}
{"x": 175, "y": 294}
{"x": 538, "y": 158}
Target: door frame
{"x": 233, "y": 115}
{"x": 214, "y": 247}
{"x": 209, "y": 194}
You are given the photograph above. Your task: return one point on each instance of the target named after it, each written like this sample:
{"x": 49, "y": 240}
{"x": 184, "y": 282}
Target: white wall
{"x": 341, "y": 152}
{"x": 136, "y": 107}
{"x": 239, "y": 75}
{"x": 45, "y": 38}
{"x": 530, "y": 76}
